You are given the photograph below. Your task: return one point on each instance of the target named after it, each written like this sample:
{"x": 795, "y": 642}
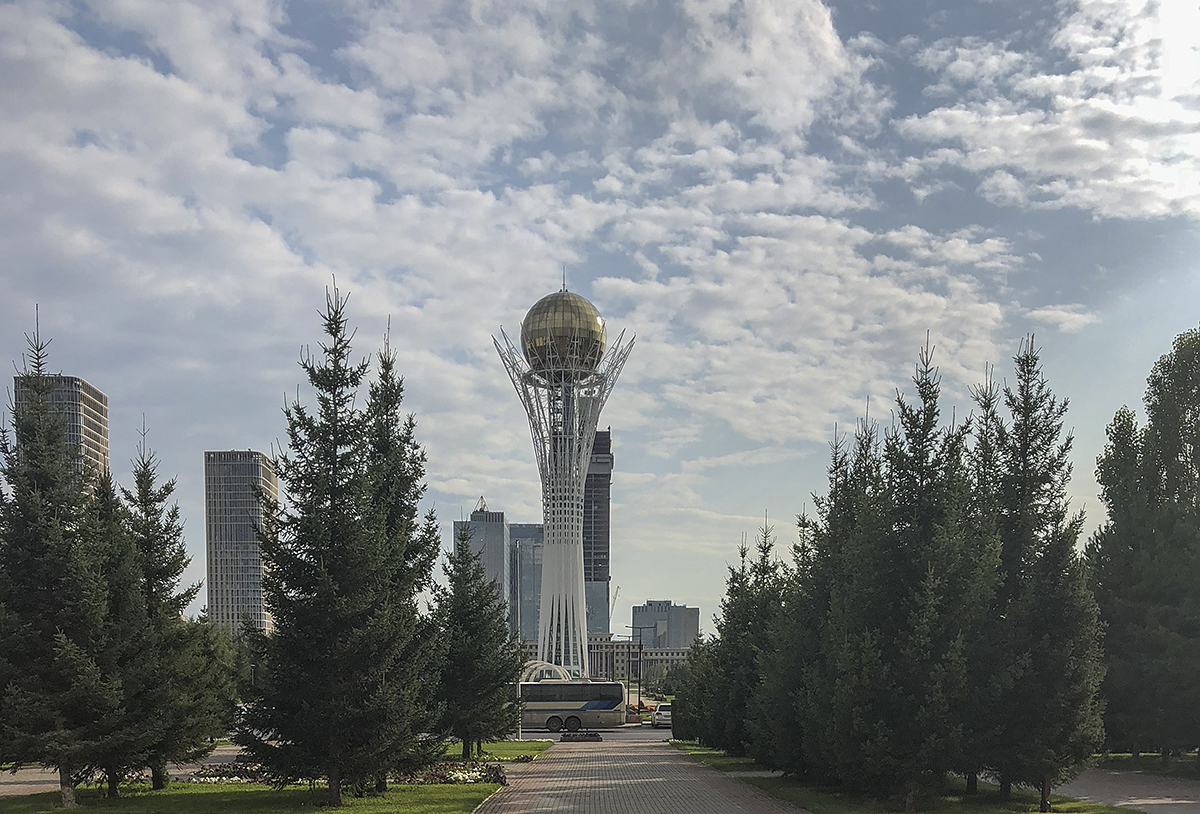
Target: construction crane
{"x": 612, "y": 605}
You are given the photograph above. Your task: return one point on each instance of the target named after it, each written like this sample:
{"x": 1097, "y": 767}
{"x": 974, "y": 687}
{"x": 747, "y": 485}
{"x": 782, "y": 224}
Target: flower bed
{"x": 446, "y": 773}
{"x": 458, "y": 772}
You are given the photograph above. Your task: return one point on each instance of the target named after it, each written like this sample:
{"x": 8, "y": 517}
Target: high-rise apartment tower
{"x": 489, "y": 539}
{"x": 234, "y": 484}
{"x": 84, "y": 410}
{"x": 597, "y": 490}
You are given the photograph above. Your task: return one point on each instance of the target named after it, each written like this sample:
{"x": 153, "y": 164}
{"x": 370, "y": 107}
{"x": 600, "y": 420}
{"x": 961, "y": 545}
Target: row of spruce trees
{"x": 370, "y": 667}
{"x": 100, "y": 673}
{"x": 359, "y": 680}
{"x": 935, "y": 616}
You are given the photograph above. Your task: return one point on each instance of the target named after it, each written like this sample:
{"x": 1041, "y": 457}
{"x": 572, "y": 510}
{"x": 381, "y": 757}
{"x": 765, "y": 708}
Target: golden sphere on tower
{"x": 563, "y": 333}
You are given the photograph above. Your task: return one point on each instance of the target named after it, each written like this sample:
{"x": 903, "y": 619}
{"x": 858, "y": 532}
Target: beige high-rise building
{"x": 233, "y": 483}
{"x": 83, "y": 408}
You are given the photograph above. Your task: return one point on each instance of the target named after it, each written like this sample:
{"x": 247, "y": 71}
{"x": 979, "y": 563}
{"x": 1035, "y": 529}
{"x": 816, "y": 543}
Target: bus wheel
{"x": 572, "y": 724}
{"x": 554, "y": 724}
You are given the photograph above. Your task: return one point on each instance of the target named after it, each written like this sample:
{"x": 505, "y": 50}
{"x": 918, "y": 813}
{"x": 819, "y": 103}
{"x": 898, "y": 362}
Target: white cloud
{"x": 1068, "y": 318}
{"x": 1117, "y": 133}
{"x": 182, "y": 180}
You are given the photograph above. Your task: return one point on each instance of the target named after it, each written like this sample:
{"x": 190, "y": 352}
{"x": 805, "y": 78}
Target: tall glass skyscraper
{"x": 597, "y": 490}
{"x": 233, "y": 483}
{"x": 526, "y": 571}
{"x": 84, "y": 410}
{"x": 489, "y": 539}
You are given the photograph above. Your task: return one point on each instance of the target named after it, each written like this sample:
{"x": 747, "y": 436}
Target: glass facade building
{"x": 233, "y": 483}
{"x": 83, "y": 409}
{"x": 597, "y": 491}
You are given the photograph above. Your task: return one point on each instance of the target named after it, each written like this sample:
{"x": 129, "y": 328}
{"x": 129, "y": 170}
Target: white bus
{"x": 573, "y": 705}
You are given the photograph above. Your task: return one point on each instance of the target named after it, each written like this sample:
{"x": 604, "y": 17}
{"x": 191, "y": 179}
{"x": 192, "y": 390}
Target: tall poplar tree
{"x": 56, "y": 702}
{"x": 336, "y": 702}
{"x": 1145, "y": 560}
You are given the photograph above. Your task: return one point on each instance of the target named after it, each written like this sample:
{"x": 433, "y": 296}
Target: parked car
{"x": 661, "y": 716}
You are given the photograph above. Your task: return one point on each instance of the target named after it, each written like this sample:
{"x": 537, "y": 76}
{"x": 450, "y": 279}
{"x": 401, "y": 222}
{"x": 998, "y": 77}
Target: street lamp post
{"x": 639, "y": 629}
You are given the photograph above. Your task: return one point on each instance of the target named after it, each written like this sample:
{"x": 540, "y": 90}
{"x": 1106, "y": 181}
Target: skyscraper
{"x": 596, "y": 493}
{"x": 83, "y": 408}
{"x": 526, "y": 540}
{"x": 489, "y": 539}
{"x": 563, "y": 375}
{"x": 234, "y": 482}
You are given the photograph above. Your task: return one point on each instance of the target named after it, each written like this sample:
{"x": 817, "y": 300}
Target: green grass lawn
{"x": 501, "y": 750}
{"x": 821, "y": 800}
{"x": 987, "y": 801}
{"x": 716, "y": 758}
{"x": 189, "y": 798}
{"x": 1185, "y": 766}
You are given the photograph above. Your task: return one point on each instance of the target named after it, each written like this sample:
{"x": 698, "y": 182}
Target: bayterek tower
{"x": 563, "y": 375}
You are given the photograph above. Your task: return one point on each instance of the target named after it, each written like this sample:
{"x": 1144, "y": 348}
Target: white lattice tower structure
{"x": 563, "y": 376}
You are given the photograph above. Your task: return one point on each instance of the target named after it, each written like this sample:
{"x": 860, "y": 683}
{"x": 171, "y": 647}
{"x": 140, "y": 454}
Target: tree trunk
{"x": 159, "y": 777}
{"x": 1045, "y": 793}
{"x": 381, "y": 783}
{"x": 335, "y": 786}
{"x": 1005, "y": 787}
{"x": 66, "y": 787}
{"x": 910, "y": 798}
{"x": 113, "y": 778}
{"x": 972, "y": 782}
{"x": 466, "y": 749}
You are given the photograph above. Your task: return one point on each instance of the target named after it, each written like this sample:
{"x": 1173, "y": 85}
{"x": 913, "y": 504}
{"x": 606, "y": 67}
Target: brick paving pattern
{"x": 625, "y": 776}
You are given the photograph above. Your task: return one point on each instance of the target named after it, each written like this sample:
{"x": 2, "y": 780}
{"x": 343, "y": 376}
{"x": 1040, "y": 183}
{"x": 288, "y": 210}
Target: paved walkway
{"x": 1146, "y": 792}
{"x": 34, "y": 780}
{"x": 633, "y": 771}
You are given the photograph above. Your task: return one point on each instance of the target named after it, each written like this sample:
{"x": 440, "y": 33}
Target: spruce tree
{"x": 483, "y": 659}
{"x": 193, "y": 696}
{"x": 128, "y": 651}
{"x": 777, "y": 732}
{"x": 836, "y": 691}
{"x": 56, "y": 704}
{"x": 910, "y": 590}
{"x": 336, "y": 702}
{"x": 396, "y": 481}
{"x": 989, "y": 669}
{"x": 748, "y": 608}
{"x": 693, "y": 710}
{"x": 1049, "y": 621}
{"x": 890, "y": 584}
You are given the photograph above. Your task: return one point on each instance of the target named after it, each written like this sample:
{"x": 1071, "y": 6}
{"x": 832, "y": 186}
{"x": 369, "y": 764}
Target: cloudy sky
{"x": 780, "y": 198}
